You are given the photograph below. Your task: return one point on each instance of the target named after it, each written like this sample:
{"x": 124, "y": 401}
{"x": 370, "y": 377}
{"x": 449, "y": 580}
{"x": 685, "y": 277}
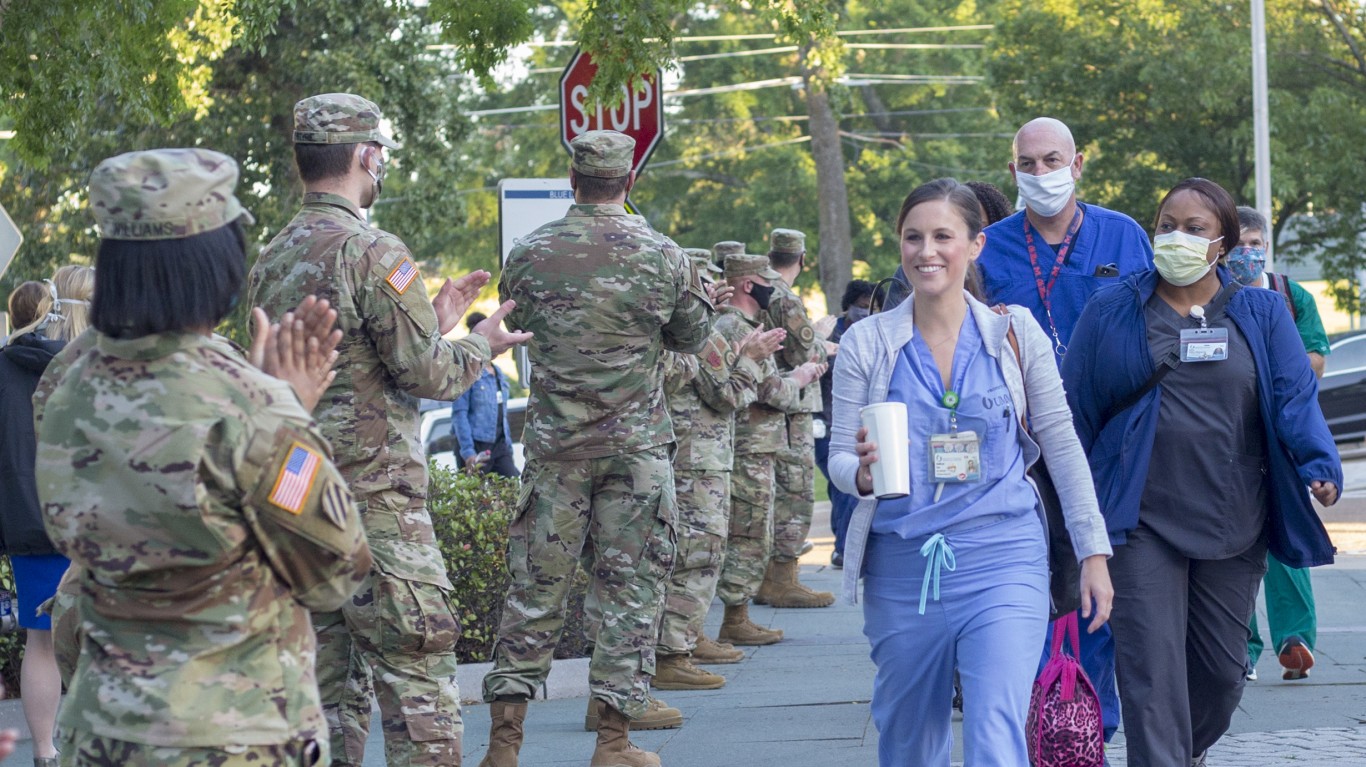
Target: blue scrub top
{"x": 985, "y": 407}
{"x": 1105, "y": 238}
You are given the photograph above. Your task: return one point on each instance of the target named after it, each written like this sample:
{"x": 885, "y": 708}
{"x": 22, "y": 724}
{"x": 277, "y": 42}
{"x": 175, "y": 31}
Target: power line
{"x": 773, "y": 118}
{"x": 760, "y": 36}
{"x": 732, "y": 54}
{"x": 724, "y": 152}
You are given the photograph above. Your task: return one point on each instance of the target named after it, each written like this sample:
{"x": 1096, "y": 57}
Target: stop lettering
{"x": 640, "y": 114}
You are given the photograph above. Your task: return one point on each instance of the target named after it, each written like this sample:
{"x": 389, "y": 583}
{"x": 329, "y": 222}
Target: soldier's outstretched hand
{"x": 499, "y": 339}
{"x": 761, "y": 344}
{"x": 455, "y": 298}
{"x": 808, "y": 372}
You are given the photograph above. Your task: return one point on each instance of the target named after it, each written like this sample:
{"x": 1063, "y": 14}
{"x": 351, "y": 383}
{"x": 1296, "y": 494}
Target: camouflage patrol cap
{"x": 725, "y": 248}
{"x": 702, "y": 257}
{"x": 787, "y": 241}
{"x": 603, "y": 153}
{"x": 339, "y": 118}
{"x": 165, "y": 194}
{"x": 746, "y": 264}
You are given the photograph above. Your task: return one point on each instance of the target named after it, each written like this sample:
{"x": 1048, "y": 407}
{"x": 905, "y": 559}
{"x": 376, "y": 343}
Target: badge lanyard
{"x": 1046, "y": 290}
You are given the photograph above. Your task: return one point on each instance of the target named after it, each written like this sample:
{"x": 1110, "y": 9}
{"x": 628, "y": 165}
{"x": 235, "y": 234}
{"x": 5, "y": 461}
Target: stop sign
{"x": 640, "y": 114}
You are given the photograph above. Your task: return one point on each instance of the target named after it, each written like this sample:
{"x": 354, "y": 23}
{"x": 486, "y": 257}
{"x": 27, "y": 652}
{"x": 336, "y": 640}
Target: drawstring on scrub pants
{"x": 937, "y": 555}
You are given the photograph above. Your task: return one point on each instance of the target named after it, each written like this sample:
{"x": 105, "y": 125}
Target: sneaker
{"x": 1296, "y": 659}
{"x": 837, "y": 560}
{"x": 806, "y": 547}
{"x": 1199, "y": 761}
{"x": 1251, "y": 674}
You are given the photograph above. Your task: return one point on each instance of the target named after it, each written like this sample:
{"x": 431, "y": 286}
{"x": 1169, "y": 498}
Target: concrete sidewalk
{"x": 804, "y": 701}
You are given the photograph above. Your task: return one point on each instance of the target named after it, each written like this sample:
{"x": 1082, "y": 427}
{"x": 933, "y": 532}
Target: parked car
{"x": 436, "y": 435}
{"x": 1342, "y": 390}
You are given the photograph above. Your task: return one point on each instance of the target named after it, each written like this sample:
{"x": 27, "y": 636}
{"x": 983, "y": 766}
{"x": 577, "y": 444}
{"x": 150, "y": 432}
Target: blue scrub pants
{"x": 989, "y": 618}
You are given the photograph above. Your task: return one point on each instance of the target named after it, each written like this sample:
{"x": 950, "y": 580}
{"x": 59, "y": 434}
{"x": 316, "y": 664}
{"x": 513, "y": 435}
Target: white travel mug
{"x": 886, "y": 425}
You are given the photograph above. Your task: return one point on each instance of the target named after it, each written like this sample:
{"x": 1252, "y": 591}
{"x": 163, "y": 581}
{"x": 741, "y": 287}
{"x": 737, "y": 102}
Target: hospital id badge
{"x": 955, "y": 457}
{"x": 1204, "y": 344}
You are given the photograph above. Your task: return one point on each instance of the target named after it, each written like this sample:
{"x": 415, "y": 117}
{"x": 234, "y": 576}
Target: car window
{"x": 440, "y": 439}
{"x": 1348, "y": 354}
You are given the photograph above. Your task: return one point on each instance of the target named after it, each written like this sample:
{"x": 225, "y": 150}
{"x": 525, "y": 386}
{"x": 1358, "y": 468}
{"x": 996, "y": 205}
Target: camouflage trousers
{"x": 794, "y": 499}
{"x": 703, "y": 516}
{"x": 620, "y": 509}
{"x": 751, "y": 528}
{"x": 393, "y": 641}
{"x": 80, "y": 749}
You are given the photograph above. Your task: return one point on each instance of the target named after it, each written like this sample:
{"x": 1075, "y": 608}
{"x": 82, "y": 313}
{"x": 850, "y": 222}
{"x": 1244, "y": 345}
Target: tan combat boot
{"x": 676, "y": 672}
{"x": 737, "y": 629}
{"x": 505, "y": 734}
{"x": 615, "y": 748}
{"x": 771, "y": 587}
{"x": 659, "y": 716}
{"x": 787, "y": 591}
{"x": 711, "y": 652}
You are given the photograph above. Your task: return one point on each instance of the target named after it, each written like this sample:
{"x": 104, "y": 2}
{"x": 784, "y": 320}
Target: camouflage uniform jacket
{"x": 202, "y": 504}
{"x": 605, "y": 295}
{"x": 391, "y": 354}
{"x": 803, "y": 344}
{"x": 761, "y": 427}
{"x": 704, "y": 391}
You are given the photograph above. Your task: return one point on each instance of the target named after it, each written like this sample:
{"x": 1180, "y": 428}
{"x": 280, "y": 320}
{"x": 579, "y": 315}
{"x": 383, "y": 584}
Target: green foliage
{"x": 147, "y": 60}
{"x": 11, "y": 644}
{"x": 471, "y": 515}
{"x": 377, "y": 49}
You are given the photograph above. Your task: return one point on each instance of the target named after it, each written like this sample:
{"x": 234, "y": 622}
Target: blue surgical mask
{"x": 1246, "y": 264}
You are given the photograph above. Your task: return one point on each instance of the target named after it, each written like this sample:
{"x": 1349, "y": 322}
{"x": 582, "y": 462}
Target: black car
{"x": 1342, "y": 390}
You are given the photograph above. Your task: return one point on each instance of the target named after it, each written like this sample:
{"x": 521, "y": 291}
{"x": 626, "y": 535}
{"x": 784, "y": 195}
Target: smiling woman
{"x": 971, "y": 522}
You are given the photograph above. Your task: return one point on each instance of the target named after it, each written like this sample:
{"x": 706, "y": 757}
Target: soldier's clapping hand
{"x": 808, "y": 372}
{"x": 455, "y": 298}
{"x": 719, "y": 293}
{"x": 300, "y": 350}
{"x": 499, "y": 339}
{"x": 759, "y": 345}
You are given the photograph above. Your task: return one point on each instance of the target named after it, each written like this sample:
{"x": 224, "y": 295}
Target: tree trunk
{"x": 835, "y": 254}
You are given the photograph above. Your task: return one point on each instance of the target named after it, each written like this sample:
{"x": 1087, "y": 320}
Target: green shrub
{"x": 11, "y": 644}
{"x": 471, "y": 516}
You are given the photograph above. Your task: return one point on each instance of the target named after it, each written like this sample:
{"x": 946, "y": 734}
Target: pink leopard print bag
{"x": 1064, "y": 728}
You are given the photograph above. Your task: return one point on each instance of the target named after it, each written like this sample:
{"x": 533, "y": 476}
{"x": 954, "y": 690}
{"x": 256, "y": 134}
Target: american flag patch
{"x": 402, "y": 276}
{"x": 295, "y": 479}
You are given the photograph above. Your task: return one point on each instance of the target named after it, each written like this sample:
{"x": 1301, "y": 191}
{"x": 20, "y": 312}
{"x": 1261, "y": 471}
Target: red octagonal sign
{"x": 640, "y": 114}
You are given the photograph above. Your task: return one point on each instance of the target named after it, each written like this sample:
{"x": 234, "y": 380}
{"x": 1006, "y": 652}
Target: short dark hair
{"x": 1218, "y": 198}
{"x": 992, "y": 200}
{"x": 160, "y": 286}
{"x": 855, "y": 290}
{"x": 1252, "y": 220}
{"x": 595, "y": 189}
{"x": 319, "y": 162}
{"x": 783, "y": 260}
{"x": 959, "y": 195}
{"x": 474, "y": 318}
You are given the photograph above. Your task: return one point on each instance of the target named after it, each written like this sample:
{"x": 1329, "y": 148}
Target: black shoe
{"x": 837, "y": 560}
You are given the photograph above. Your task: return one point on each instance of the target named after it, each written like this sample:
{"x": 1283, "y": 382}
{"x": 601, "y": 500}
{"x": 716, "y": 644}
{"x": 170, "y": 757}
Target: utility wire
{"x": 762, "y": 36}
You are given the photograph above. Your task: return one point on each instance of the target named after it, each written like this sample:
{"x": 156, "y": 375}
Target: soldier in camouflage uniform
{"x": 400, "y": 625}
{"x": 760, "y": 434}
{"x": 704, "y": 390}
{"x": 794, "y": 489}
{"x": 193, "y": 494}
{"x": 606, "y": 295}
{"x": 720, "y": 250}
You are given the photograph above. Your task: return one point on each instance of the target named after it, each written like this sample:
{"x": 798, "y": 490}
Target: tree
{"x": 149, "y": 60}
{"x": 377, "y": 49}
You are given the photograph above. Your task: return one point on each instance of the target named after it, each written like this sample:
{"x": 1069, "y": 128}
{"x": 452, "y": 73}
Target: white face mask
{"x": 1181, "y": 258}
{"x": 1048, "y": 194}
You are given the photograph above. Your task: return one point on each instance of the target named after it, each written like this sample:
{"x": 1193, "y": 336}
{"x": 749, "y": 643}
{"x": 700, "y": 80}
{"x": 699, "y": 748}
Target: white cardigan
{"x": 863, "y": 372}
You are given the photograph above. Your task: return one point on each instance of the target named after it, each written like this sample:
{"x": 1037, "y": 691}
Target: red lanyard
{"x": 1046, "y": 291}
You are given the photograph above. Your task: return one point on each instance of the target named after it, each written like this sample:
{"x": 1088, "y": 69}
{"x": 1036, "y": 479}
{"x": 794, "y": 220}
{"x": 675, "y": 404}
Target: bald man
{"x": 1050, "y": 257}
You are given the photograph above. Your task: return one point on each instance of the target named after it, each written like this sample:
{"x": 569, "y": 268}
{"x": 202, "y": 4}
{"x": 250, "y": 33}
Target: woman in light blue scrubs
{"x": 957, "y": 572}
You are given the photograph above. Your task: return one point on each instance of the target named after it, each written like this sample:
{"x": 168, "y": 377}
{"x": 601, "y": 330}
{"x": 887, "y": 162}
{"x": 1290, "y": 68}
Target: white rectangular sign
{"x": 10, "y": 240}
{"x": 525, "y": 204}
